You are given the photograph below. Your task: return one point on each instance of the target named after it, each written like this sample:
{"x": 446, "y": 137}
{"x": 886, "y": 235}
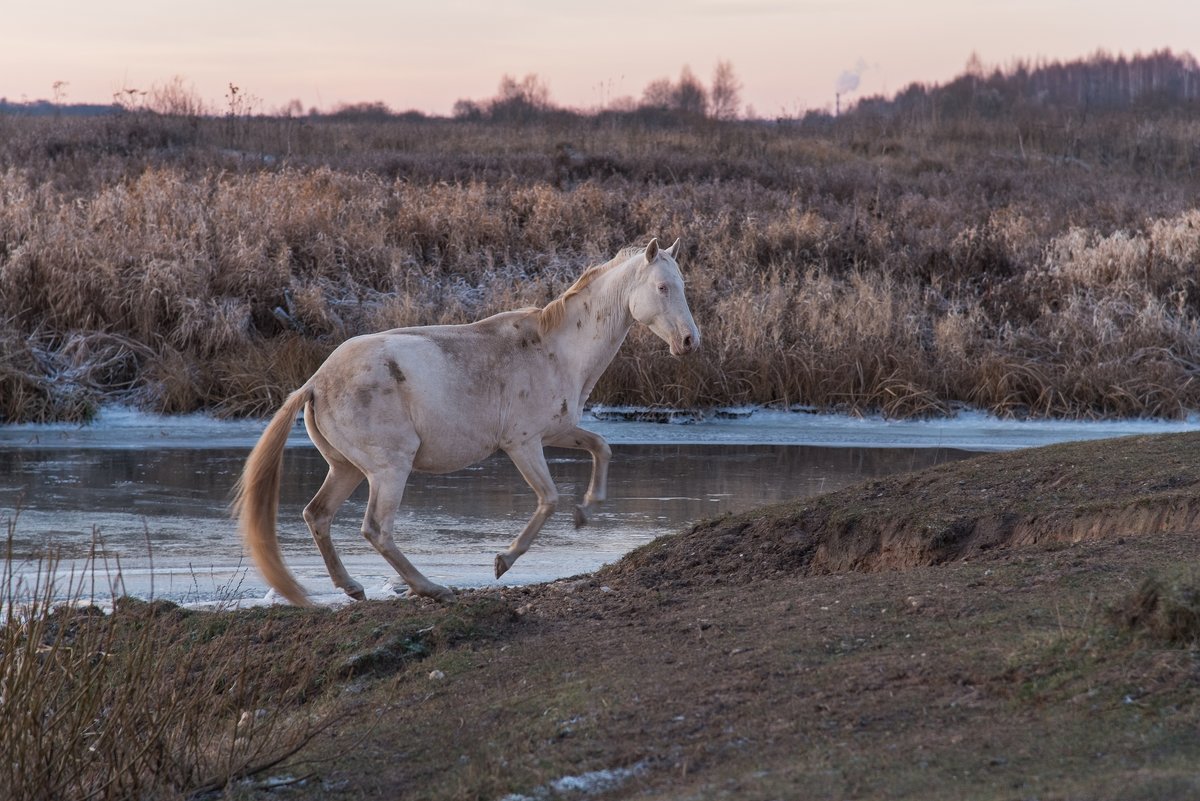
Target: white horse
{"x": 440, "y": 398}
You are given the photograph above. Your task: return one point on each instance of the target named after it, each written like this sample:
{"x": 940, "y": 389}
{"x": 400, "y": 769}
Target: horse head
{"x": 657, "y": 299}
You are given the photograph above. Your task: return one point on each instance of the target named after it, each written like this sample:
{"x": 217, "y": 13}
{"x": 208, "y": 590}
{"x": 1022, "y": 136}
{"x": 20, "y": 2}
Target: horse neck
{"x": 596, "y": 323}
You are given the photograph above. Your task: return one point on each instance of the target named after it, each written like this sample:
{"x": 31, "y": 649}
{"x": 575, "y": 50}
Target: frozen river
{"x": 149, "y": 494}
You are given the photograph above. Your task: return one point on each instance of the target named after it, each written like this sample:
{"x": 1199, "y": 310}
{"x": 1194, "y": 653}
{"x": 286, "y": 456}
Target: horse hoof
{"x": 502, "y": 565}
{"x": 356, "y": 593}
{"x": 435, "y": 592}
{"x": 580, "y": 516}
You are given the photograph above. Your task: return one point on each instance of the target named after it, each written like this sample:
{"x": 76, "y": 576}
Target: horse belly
{"x": 446, "y": 452}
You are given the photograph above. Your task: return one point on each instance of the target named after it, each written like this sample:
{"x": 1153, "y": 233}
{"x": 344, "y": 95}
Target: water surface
{"x": 160, "y": 514}
{"x": 149, "y": 493}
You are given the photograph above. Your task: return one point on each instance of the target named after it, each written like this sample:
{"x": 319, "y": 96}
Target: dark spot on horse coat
{"x": 395, "y": 370}
{"x": 364, "y": 396}
{"x": 563, "y": 410}
{"x": 579, "y": 323}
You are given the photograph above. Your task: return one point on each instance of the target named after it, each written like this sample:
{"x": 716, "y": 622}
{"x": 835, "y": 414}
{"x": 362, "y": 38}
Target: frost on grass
{"x": 585, "y": 784}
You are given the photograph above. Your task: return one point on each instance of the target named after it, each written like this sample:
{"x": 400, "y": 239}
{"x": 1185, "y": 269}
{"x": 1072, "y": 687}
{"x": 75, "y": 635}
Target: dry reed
{"x": 902, "y": 271}
{"x": 138, "y": 703}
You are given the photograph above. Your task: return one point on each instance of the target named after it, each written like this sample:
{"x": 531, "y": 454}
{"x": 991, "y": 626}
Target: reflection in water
{"x": 162, "y": 514}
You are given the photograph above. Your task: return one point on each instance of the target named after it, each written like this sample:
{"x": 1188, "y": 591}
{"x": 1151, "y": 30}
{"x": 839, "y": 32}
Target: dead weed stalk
{"x": 131, "y": 704}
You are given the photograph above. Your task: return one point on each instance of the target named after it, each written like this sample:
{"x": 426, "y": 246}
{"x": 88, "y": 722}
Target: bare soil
{"x": 968, "y": 631}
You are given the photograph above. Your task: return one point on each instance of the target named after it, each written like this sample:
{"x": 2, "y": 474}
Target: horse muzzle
{"x": 685, "y": 344}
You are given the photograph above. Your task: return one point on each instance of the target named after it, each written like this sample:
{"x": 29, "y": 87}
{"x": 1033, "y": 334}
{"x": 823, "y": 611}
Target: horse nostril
{"x": 687, "y": 342}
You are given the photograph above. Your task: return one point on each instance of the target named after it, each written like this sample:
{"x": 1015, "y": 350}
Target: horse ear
{"x": 652, "y": 250}
{"x": 673, "y": 251}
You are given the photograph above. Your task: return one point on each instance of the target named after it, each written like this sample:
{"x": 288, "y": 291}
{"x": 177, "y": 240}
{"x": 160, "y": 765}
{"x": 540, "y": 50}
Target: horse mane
{"x": 551, "y": 316}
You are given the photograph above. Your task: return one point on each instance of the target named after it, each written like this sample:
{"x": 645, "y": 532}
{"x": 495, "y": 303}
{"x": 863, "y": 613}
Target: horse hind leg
{"x": 343, "y": 477}
{"x": 387, "y": 490}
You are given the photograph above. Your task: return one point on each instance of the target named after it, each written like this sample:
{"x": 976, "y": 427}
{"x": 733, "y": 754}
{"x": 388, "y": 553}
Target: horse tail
{"x": 257, "y": 499}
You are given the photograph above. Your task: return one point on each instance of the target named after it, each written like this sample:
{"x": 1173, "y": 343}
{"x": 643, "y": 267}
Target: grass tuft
{"x": 1163, "y": 609}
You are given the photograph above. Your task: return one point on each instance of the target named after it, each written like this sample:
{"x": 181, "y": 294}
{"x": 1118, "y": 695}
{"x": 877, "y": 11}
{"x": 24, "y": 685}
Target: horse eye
{"x": 663, "y": 289}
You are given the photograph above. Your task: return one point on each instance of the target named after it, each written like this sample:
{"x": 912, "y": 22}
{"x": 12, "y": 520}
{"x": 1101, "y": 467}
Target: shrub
{"x": 120, "y": 705}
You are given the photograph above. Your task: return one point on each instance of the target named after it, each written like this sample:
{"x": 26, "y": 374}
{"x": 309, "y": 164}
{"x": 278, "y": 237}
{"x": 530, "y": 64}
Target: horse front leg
{"x": 530, "y": 460}
{"x": 582, "y": 439}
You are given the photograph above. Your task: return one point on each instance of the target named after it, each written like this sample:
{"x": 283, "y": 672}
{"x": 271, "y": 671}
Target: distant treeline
{"x": 45, "y": 108}
{"x": 1102, "y": 82}
{"x": 1159, "y": 81}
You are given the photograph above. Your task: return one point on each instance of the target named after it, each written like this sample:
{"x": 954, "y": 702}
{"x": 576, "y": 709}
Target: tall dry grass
{"x": 138, "y": 703}
{"x": 865, "y": 267}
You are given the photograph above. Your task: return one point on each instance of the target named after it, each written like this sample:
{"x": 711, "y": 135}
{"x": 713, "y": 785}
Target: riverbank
{"x": 983, "y": 628}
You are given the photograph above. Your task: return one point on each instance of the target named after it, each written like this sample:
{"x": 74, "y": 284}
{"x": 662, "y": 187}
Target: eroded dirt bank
{"x": 943, "y": 634}
{"x": 1062, "y": 494}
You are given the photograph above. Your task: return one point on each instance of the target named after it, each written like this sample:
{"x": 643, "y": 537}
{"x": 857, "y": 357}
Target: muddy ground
{"x": 978, "y": 630}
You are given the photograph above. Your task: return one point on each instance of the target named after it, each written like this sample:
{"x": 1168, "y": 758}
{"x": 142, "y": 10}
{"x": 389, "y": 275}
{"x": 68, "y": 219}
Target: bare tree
{"x": 292, "y": 108}
{"x": 521, "y": 100}
{"x": 725, "y": 97}
{"x": 659, "y": 94}
{"x": 691, "y": 98}
{"x": 531, "y": 91}
{"x": 465, "y": 109}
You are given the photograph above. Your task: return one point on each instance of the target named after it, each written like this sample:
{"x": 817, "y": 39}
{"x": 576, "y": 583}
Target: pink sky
{"x": 426, "y": 55}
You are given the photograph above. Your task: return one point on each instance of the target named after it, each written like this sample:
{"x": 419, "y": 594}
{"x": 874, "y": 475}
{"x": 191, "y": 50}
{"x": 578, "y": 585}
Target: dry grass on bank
{"x": 1011, "y": 622}
{"x": 136, "y": 703}
{"x": 153, "y": 701}
{"x": 824, "y": 269}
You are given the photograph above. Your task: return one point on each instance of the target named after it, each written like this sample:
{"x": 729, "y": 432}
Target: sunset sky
{"x": 425, "y": 55}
